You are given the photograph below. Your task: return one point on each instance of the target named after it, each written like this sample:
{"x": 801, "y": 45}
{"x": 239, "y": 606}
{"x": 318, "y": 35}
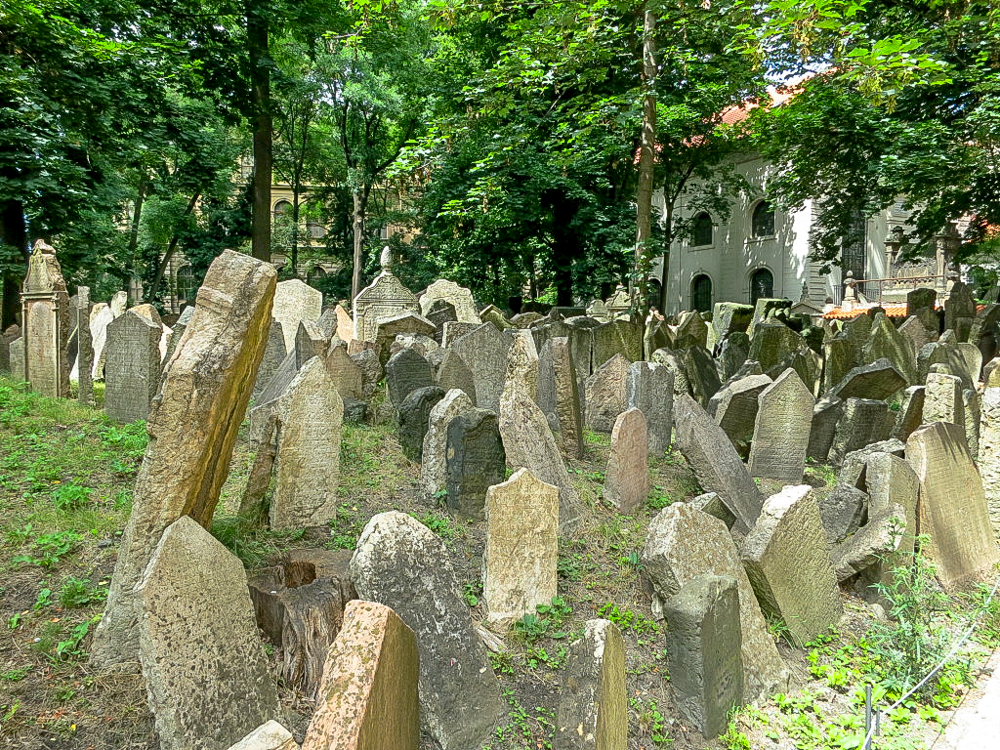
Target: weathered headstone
{"x": 732, "y": 353}
{"x": 368, "y": 699}
{"x": 181, "y": 324}
{"x": 877, "y": 380}
{"x": 413, "y": 416}
{"x": 781, "y": 430}
{"x": 457, "y": 296}
{"x": 825, "y": 418}
{"x": 691, "y": 331}
{"x": 405, "y": 372}
{"x": 885, "y": 342}
{"x": 916, "y": 333}
{"x": 344, "y": 371}
{"x": 702, "y": 375}
{"x": 268, "y": 736}
{"x": 839, "y": 358}
{"x": 864, "y": 421}
{"x": 559, "y": 395}
{"x": 626, "y": 481}
{"x": 963, "y": 360}
{"x": 132, "y": 367}
{"x": 772, "y": 343}
{"x": 703, "y": 642}
{"x": 989, "y": 452}
{"x": 309, "y": 342}
{"x": 682, "y": 544}
{"x": 715, "y": 461}
{"x": 943, "y": 399}
{"x": 46, "y": 324}
{"x": 204, "y": 665}
{"x": 196, "y": 420}
{"x": 100, "y": 317}
{"x": 650, "y": 388}
{"x": 952, "y": 507}
{"x": 787, "y": 562}
{"x": 85, "y": 345}
{"x": 616, "y": 337}
{"x": 606, "y": 394}
{"x": 911, "y": 412}
{"x": 734, "y": 409}
{"x": 16, "y": 350}
{"x": 485, "y": 351}
{"x": 960, "y": 310}
{"x": 592, "y": 712}
{"x": 295, "y": 301}
{"x": 522, "y": 529}
{"x": 474, "y": 461}
{"x": 433, "y": 466}
{"x": 841, "y": 511}
{"x": 522, "y": 362}
{"x": 371, "y": 370}
{"x": 400, "y": 563}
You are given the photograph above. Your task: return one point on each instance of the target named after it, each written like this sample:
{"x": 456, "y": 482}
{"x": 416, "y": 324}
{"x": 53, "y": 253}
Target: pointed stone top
{"x": 385, "y": 260}
{"x": 42, "y": 247}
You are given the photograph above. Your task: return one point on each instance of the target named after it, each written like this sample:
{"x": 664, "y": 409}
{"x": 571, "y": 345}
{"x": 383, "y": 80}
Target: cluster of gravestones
{"x": 382, "y": 638}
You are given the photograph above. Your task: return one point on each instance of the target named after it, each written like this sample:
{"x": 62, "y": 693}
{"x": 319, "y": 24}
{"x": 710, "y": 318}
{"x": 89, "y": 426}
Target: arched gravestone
{"x": 384, "y": 297}
{"x": 45, "y": 313}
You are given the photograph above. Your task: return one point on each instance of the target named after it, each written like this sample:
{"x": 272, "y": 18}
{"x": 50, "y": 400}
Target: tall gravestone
{"x": 457, "y": 296}
{"x": 131, "y": 367}
{"x": 606, "y": 394}
{"x": 474, "y": 461}
{"x": 781, "y": 429}
{"x": 485, "y": 350}
{"x": 295, "y": 301}
{"x": 734, "y": 409}
{"x": 434, "y": 462}
{"x": 46, "y": 324}
{"x": 85, "y": 345}
{"x": 195, "y": 421}
{"x": 100, "y": 317}
{"x": 626, "y": 482}
{"x": 17, "y": 359}
{"x": 650, "y": 388}
{"x": 405, "y": 372}
{"x": 383, "y": 298}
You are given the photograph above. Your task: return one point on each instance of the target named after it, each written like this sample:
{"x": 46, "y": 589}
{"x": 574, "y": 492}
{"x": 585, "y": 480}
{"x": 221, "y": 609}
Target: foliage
{"x": 547, "y": 623}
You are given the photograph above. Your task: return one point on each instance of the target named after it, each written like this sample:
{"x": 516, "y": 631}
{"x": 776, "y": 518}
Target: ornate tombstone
{"x": 385, "y": 297}
{"x": 45, "y": 312}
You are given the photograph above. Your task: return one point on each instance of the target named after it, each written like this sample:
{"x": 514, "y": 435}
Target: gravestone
{"x": 702, "y": 375}
{"x": 485, "y": 351}
{"x": 457, "y": 296}
{"x": 6, "y": 339}
{"x": 781, "y": 430}
{"x": 295, "y": 301}
{"x": 841, "y": 511}
{"x": 973, "y": 417}
{"x": 885, "y": 342}
{"x": 626, "y": 481}
{"x": 16, "y": 350}
{"x": 656, "y": 336}
{"x": 864, "y": 421}
{"x": 786, "y": 559}
{"x": 433, "y": 466}
{"x": 522, "y": 535}
{"x": 383, "y": 298}
{"x": 413, "y": 416}
{"x": 522, "y": 362}
{"x": 400, "y": 563}
{"x": 682, "y": 544}
{"x": 773, "y": 343}
{"x": 345, "y": 324}
{"x": 405, "y": 372}
{"x": 963, "y": 360}
{"x": 839, "y": 358}
{"x": 492, "y": 314}
{"x": 581, "y": 344}
{"x": 732, "y": 353}
{"x": 85, "y": 346}
{"x": 202, "y": 659}
{"x": 606, "y": 394}
{"x": 592, "y": 713}
{"x": 960, "y": 310}
{"x": 952, "y": 507}
{"x": 703, "y": 643}
{"x": 371, "y": 370}
{"x": 46, "y": 324}
{"x": 268, "y": 736}
{"x": 132, "y": 367}
{"x": 409, "y": 324}
{"x": 916, "y": 333}
{"x": 989, "y": 452}
{"x": 454, "y": 373}
{"x": 650, "y": 388}
{"x": 870, "y": 549}
{"x": 613, "y": 338}
{"x": 309, "y": 342}
{"x": 100, "y": 317}
{"x": 368, "y": 698}
{"x": 911, "y": 413}
{"x": 877, "y": 380}
{"x": 943, "y": 399}
{"x": 715, "y": 462}
{"x": 558, "y": 394}
{"x": 891, "y": 483}
{"x": 691, "y": 331}
{"x": 274, "y": 355}
{"x": 734, "y": 409}
{"x": 729, "y": 318}
{"x": 452, "y": 331}
{"x": 196, "y": 420}
{"x": 529, "y": 443}
{"x": 181, "y": 324}
{"x": 344, "y": 371}
{"x": 474, "y": 461}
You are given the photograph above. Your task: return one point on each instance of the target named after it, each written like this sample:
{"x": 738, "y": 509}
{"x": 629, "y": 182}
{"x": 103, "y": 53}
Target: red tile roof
{"x": 891, "y": 311}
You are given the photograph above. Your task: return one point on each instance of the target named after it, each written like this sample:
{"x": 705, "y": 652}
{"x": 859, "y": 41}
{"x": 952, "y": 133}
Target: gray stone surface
{"x": 650, "y": 388}
{"x": 309, "y": 342}
{"x": 943, "y": 399}
{"x": 405, "y": 372}
{"x": 45, "y": 321}
{"x": 773, "y": 343}
{"x": 865, "y": 421}
{"x": 616, "y": 337}
{"x": 385, "y": 297}
{"x": 732, "y": 353}
{"x": 400, "y": 563}
{"x": 886, "y": 342}
{"x": 626, "y": 481}
{"x": 475, "y": 460}
{"x": 842, "y": 511}
{"x": 559, "y": 395}
{"x": 457, "y": 296}
{"x": 786, "y": 559}
{"x": 274, "y": 355}
{"x": 132, "y": 367}
{"x": 85, "y": 346}
{"x": 344, "y": 371}
{"x": 454, "y": 373}
{"x": 826, "y": 416}
{"x": 989, "y": 452}
{"x": 485, "y": 351}
{"x": 702, "y": 375}
{"x": 682, "y": 544}
{"x": 606, "y": 394}
{"x": 911, "y": 412}
{"x": 781, "y": 429}
{"x": 734, "y": 409}
{"x": 295, "y": 301}
{"x": 206, "y": 673}
{"x": 874, "y": 543}
{"x": 877, "y": 380}
{"x": 433, "y": 465}
{"x": 412, "y": 417}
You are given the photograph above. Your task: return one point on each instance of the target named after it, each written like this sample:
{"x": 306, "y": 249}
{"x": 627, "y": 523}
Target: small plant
{"x": 502, "y": 662}
{"x": 660, "y": 500}
{"x": 79, "y": 592}
{"x": 652, "y": 723}
{"x": 48, "y": 549}
{"x": 345, "y": 527}
{"x": 44, "y": 599}
{"x": 547, "y": 623}
{"x": 71, "y": 648}
{"x": 71, "y": 496}
{"x": 15, "y": 675}
{"x": 539, "y": 656}
{"x": 471, "y": 592}
{"x": 440, "y": 525}
{"x": 626, "y": 619}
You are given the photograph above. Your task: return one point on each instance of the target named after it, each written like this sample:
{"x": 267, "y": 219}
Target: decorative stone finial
{"x": 385, "y": 260}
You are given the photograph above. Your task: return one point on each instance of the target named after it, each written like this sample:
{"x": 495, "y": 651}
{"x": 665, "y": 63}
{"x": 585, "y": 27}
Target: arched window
{"x": 761, "y": 285}
{"x": 762, "y": 224}
{"x": 701, "y": 230}
{"x": 701, "y": 293}
{"x": 315, "y": 274}
{"x": 282, "y": 208}
{"x": 185, "y": 284}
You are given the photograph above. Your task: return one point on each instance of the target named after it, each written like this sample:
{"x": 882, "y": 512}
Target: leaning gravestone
{"x": 413, "y": 416}
{"x": 345, "y": 372}
{"x": 433, "y": 462}
{"x": 474, "y": 461}
{"x": 650, "y": 388}
{"x": 85, "y": 346}
{"x": 457, "y": 296}
{"x": 454, "y": 373}
{"x": 715, "y": 462}
{"x": 383, "y": 298}
{"x": 703, "y": 643}
{"x": 295, "y": 301}
{"x": 702, "y": 375}
{"x": 558, "y": 394}
{"x": 132, "y": 367}
{"x": 605, "y": 394}
{"x": 952, "y": 509}
{"x": 195, "y": 419}
{"x": 616, "y": 337}
{"x": 100, "y": 317}
{"x": 684, "y": 543}
{"x": 405, "y": 372}
{"x": 781, "y": 430}
{"x": 864, "y": 421}
{"x": 368, "y": 698}
{"x": 943, "y": 399}
{"x": 734, "y": 409}
{"x": 877, "y": 380}
{"x": 989, "y": 451}
{"x": 485, "y": 350}
{"x": 592, "y": 712}
{"x": 400, "y": 563}
{"x": 886, "y": 342}
{"x": 17, "y": 359}
{"x": 522, "y": 362}
{"x": 626, "y": 483}
{"x": 181, "y": 324}
{"x": 522, "y": 530}
{"x": 206, "y": 673}
{"x": 787, "y": 562}
{"x": 46, "y": 331}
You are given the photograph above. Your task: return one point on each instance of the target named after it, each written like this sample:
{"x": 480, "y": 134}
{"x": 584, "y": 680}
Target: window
{"x": 853, "y": 256}
{"x": 761, "y": 285}
{"x": 701, "y": 293}
{"x": 315, "y": 230}
{"x": 185, "y": 284}
{"x": 762, "y": 224}
{"x": 701, "y": 230}
{"x": 282, "y": 208}
{"x": 315, "y": 274}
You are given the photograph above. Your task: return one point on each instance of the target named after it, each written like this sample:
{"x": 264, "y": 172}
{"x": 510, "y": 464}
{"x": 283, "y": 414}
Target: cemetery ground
{"x": 66, "y": 477}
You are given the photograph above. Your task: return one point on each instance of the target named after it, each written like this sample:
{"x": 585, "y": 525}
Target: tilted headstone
{"x": 452, "y": 331}
{"x": 485, "y": 351}
{"x": 989, "y": 452}
{"x": 132, "y": 367}
{"x": 841, "y": 511}
{"x": 963, "y": 360}
{"x": 839, "y": 358}
{"x": 400, "y": 563}
{"x": 593, "y": 708}
{"x": 474, "y": 461}
{"x": 345, "y": 324}
{"x": 202, "y": 659}
{"x": 492, "y": 314}
{"x": 457, "y": 296}
{"x": 885, "y": 342}
{"x": 368, "y": 698}
{"x": 606, "y": 394}
{"x": 691, "y": 331}
{"x": 715, "y": 461}
{"x": 529, "y": 443}
{"x": 85, "y": 345}
{"x": 911, "y": 412}
{"x": 196, "y": 420}
{"x": 869, "y": 550}
{"x": 454, "y": 373}
{"x": 16, "y": 350}
{"x": 703, "y": 646}
{"x": 702, "y": 375}
{"x": 405, "y": 372}
{"x": 558, "y": 394}
{"x": 952, "y": 507}
{"x": 522, "y": 544}
{"x": 344, "y": 371}
{"x": 433, "y": 465}
{"x": 734, "y": 409}
{"x": 973, "y": 417}
{"x": 413, "y": 416}
{"x": 733, "y": 352}
{"x": 581, "y": 343}
{"x": 371, "y": 370}
{"x": 626, "y": 481}
{"x": 864, "y": 421}
{"x": 892, "y": 486}
{"x": 877, "y": 380}
{"x": 295, "y": 301}
{"x": 6, "y": 339}
{"x": 916, "y": 333}
{"x": 100, "y": 317}
{"x": 656, "y": 336}
{"x": 408, "y": 324}
{"x": 827, "y": 413}
{"x": 781, "y": 430}
{"x": 522, "y": 362}
{"x": 46, "y": 324}
{"x": 943, "y": 399}
{"x": 772, "y": 343}
{"x": 786, "y": 559}
{"x": 616, "y": 337}
{"x": 684, "y": 543}
{"x": 650, "y": 388}
{"x": 309, "y": 342}
{"x": 960, "y": 310}
{"x": 730, "y": 317}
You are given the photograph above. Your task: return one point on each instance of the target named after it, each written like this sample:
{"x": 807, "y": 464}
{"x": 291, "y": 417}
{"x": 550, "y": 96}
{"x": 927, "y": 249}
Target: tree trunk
{"x": 647, "y": 154}
{"x": 669, "y": 240}
{"x": 359, "y": 198}
{"x": 260, "y": 81}
{"x": 294, "y": 254}
{"x": 12, "y": 233}
{"x": 171, "y": 248}
{"x": 133, "y": 237}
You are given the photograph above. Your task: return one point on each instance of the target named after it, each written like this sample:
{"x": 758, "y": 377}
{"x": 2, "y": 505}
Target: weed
{"x": 502, "y": 662}
{"x": 440, "y": 525}
{"x": 79, "y": 592}
{"x": 626, "y": 619}
{"x": 471, "y": 592}
{"x": 48, "y": 549}
{"x": 538, "y": 656}
{"x": 15, "y": 675}
{"x": 71, "y": 648}
{"x": 547, "y": 623}
{"x": 652, "y": 723}
{"x": 44, "y": 599}
{"x": 660, "y": 500}
{"x": 71, "y": 496}
{"x": 673, "y": 457}
{"x": 595, "y": 438}
{"x": 346, "y": 527}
